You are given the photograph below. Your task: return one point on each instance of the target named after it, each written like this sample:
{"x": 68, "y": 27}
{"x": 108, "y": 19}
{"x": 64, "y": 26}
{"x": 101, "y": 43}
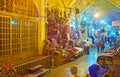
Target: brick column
{"x": 41, "y": 6}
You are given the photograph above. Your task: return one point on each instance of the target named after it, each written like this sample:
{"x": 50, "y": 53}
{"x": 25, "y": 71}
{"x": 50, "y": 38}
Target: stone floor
{"x": 83, "y": 63}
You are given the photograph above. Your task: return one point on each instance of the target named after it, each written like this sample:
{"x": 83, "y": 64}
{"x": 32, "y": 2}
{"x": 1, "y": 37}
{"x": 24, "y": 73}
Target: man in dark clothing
{"x": 102, "y": 46}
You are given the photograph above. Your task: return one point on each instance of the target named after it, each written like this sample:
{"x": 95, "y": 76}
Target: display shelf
{"x": 40, "y": 73}
{"x": 23, "y": 65}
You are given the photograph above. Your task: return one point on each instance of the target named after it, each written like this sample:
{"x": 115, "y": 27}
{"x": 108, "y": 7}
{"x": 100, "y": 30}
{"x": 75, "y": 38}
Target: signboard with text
{"x": 115, "y": 23}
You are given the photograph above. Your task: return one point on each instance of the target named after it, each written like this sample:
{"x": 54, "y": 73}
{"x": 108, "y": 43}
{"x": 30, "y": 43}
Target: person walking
{"x": 98, "y": 45}
{"x": 102, "y": 46}
{"x": 87, "y": 46}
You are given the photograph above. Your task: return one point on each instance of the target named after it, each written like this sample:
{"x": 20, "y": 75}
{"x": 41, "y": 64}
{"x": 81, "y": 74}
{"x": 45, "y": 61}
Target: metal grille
{"x": 18, "y": 30}
{"x": 17, "y": 37}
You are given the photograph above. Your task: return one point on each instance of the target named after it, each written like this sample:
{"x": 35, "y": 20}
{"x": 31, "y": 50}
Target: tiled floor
{"x": 83, "y": 63}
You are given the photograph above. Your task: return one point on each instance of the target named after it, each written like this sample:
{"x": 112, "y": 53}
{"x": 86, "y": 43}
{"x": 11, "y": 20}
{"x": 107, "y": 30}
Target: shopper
{"x": 104, "y": 70}
{"x": 93, "y": 70}
{"x": 73, "y": 70}
{"x": 87, "y": 46}
{"x": 102, "y": 46}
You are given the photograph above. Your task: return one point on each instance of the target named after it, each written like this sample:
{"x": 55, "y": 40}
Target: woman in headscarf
{"x": 93, "y": 70}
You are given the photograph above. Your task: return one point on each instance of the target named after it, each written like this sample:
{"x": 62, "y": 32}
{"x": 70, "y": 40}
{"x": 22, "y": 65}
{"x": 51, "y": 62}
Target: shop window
{"x": 4, "y": 47}
{"x": 3, "y": 52}
{"x": 0, "y": 47}
{"x": 1, "y": 30}
{"x": 17, "y": 31}
{"x": 0, "y": 42}
{"x": 0, "y": 24}
{"x": 1, "y": 35}
{"x": 0, "y": 53}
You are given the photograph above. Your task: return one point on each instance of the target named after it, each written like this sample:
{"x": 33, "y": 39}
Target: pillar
{"x": 41, "y": 6}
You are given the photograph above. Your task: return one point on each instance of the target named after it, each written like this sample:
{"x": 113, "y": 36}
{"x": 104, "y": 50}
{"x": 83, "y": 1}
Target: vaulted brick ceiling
{"x": 105, "y": 8}
{"x": 65, "y": 4}
{"x": 80, "y": 4}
